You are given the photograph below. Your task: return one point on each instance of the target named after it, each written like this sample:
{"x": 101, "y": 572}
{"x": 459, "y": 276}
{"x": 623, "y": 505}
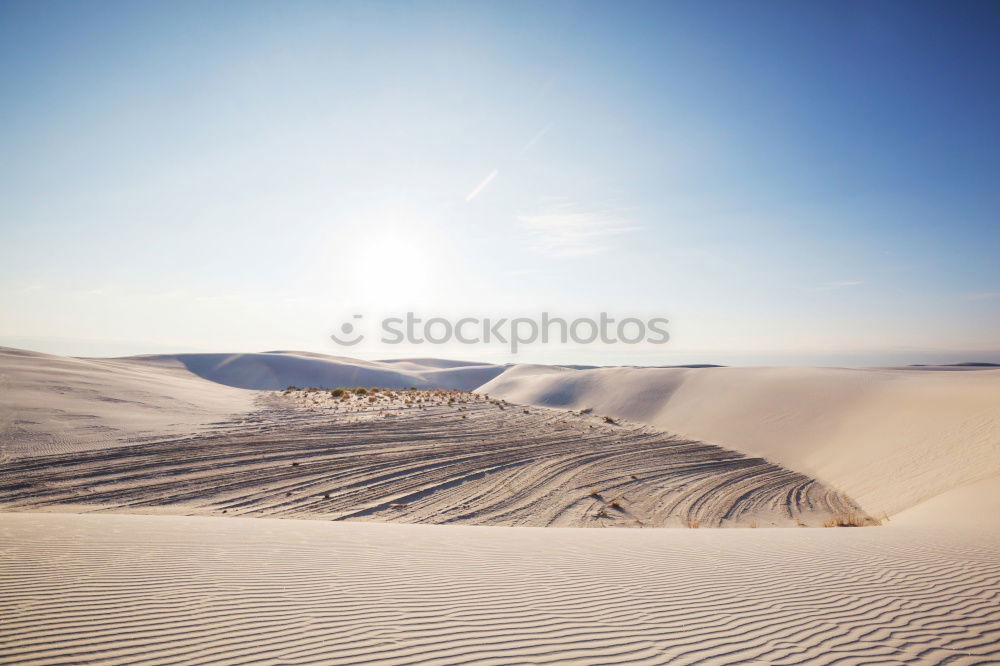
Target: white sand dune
{"x": 211, "y": 579}
{"x": 889, "y": 437}
{"x": 277, "y": 370}
{"x": 164, "y": 589}
{"x": 55, "y": 404}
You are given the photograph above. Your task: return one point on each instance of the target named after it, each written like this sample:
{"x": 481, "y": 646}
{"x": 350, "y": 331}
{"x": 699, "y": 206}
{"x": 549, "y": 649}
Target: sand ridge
{"x": 428, "y": 457}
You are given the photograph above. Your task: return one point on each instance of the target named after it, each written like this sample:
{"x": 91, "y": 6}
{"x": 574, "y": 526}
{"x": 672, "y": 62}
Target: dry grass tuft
{"x": 852, "y": 520}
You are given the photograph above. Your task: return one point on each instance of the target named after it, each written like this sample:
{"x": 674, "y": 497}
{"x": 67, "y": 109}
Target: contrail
{"x": 481, "y": 186}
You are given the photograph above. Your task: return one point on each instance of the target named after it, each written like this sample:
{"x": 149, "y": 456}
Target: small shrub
{"x": 852, "y": 520}
{"x": 336, "y": 393}
{"x": 360, "y": 391}
{"x": 608, "y": 419}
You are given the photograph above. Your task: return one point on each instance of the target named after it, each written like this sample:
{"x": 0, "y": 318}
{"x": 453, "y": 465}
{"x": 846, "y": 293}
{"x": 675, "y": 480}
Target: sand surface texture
{"x": 139, "y": 501}
{"x": 427, "y": 457}
{"x": 117, "y": 589}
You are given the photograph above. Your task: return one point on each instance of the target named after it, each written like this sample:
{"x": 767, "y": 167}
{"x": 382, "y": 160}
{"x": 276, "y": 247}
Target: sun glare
{"x": 392, "y": 269}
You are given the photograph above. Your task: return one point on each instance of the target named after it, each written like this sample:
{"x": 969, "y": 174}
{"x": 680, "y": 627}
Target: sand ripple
{"x": 472, "y": 462}
{"x": 116, "y": 589}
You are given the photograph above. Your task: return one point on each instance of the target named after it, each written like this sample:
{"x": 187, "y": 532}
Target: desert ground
{"x": 194, "y": 509}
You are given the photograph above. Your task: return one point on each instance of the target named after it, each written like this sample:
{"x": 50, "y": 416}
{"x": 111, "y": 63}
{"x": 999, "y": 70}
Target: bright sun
{"x": 392, "y": 269}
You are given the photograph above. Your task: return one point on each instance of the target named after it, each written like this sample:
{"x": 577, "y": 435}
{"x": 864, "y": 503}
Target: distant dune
{"x": 277, "y": 370}
{"x": 56, "y": 404}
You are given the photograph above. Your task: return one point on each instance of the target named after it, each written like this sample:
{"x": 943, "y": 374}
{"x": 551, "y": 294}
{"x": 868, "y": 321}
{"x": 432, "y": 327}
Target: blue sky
{"x": 786, "y": 182}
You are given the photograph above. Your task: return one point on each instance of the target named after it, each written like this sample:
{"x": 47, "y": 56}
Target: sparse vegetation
{"x": 852, "y": 520}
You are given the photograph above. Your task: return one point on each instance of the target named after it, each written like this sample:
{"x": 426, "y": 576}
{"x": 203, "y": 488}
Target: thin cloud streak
{"x": 535, "y": 139}
{"x": 481, "y": 186}
{"x": 570, "y": 232}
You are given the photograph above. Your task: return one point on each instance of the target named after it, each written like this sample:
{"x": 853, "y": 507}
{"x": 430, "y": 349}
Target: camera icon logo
{"x": 347, "y": 328}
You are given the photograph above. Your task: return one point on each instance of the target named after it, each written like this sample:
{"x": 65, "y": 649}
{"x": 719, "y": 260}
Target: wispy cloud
{"x": 481, "y": 186}
{"x": 535, "y": 139}
{"x": 841, "y": 284}
{"x": 983, "y": 296}
{"x": 569, "y": 231}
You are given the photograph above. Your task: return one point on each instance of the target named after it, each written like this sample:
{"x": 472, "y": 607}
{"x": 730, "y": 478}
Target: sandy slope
{"x": 55, "y": 404}
{"x": 167, "y": 590}
{"x": 890, "y": 438}
{"x": 427, "y": 457}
